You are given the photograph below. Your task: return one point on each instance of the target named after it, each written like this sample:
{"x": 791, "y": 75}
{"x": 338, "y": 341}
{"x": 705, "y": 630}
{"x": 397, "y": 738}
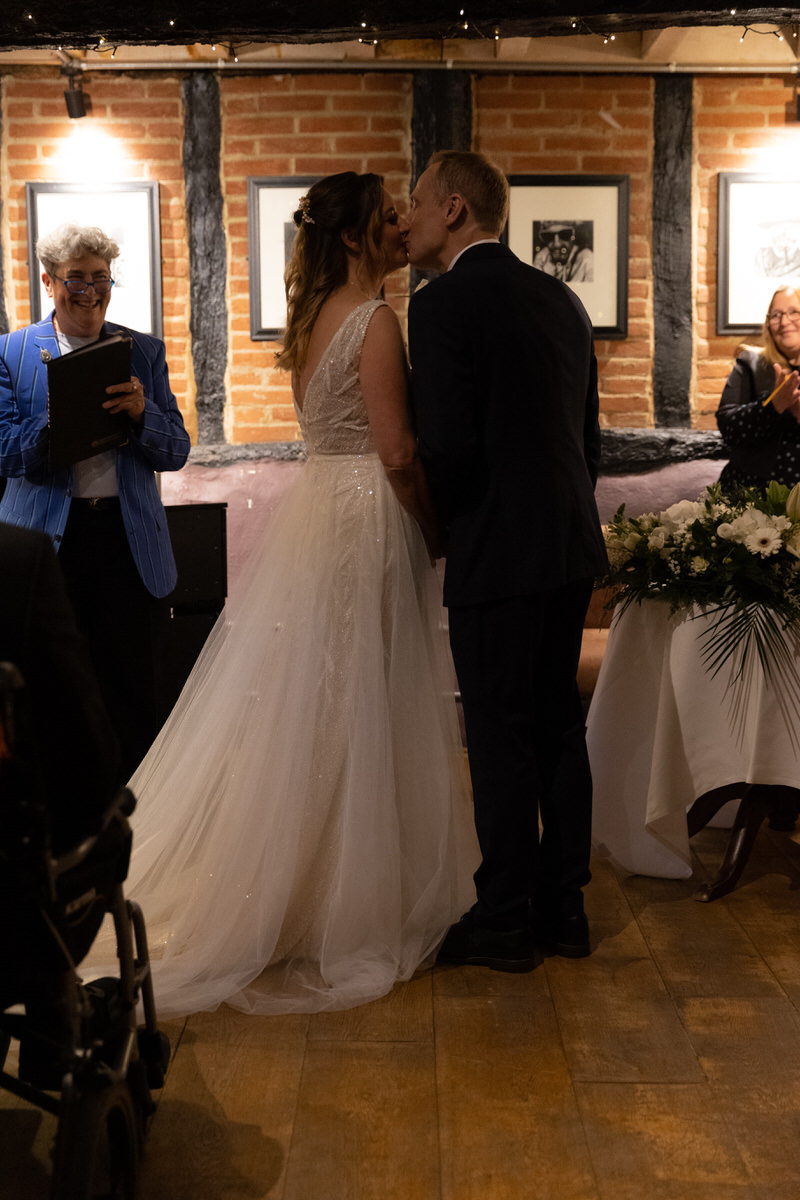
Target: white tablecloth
{"x": 661, "y": 732}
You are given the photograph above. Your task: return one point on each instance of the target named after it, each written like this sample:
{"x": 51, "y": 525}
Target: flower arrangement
{"x": 737, "y": 558}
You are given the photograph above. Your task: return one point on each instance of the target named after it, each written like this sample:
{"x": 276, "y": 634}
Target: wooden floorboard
{"x": 663, "y": 1142}
{"x": 664, "y": 1066}
{"x": 405, "y": 1015}
{"x": 366, "y": 1124}
{"x": 701, "y": 950}
{"x": 508, "y": 1116}
{"x": 226, "y": 1115}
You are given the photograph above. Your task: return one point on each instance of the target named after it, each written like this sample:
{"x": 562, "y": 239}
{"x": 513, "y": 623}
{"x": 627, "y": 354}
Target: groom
{"x": 505, "y": 392}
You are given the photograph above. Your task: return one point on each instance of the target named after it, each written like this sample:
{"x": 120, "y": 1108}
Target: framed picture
{"x": 271, "y": 201}
{"x": 575, "y": 227}
{"x": 127, "y": 212}
{"x": 758, "y": 245}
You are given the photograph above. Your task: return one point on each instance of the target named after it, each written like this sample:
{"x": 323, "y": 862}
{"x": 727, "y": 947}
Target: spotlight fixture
{"x": 75, "y": 99}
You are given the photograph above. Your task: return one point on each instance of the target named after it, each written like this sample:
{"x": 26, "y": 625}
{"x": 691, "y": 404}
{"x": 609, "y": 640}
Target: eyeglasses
{"x": 792, "y": 317}
{"x": 77, "y": 287}
{"x": 563, "y": 235}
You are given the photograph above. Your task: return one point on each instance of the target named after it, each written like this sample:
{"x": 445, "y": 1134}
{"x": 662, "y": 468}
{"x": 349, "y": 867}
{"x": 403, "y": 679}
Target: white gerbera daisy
{"x": 764, "y": 541}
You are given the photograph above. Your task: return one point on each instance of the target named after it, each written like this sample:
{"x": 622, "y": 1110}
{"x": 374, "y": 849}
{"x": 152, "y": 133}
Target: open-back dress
{"x": 304, "y": 835}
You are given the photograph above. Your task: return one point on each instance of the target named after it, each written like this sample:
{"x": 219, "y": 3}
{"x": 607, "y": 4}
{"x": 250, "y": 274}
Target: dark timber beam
{"x": 672, "y": 250}
{"x": 442, "y": 115}
{"x": 441, "y": 119}
{"x": 86, "y": 22}
{"x": 208, "y": 321}
{"x": 625, "y": 451}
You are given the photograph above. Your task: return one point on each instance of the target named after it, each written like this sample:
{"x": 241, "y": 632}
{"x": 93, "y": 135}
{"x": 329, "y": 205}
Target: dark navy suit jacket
{"x": 504, "y": 379}
{"x": 37, "y": 497}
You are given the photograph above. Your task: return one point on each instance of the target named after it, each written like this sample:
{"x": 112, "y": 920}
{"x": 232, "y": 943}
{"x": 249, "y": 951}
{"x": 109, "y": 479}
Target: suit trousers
{"x": 123, "y": 623}
{"x": 516, "y": 662}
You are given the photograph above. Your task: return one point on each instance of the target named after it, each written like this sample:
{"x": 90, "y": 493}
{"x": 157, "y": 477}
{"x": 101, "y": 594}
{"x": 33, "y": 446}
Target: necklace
{"x": 360, "y": 291}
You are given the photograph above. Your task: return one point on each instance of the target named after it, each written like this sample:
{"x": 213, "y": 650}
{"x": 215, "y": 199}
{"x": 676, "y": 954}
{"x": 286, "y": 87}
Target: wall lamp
{"x": 75, "y": 99}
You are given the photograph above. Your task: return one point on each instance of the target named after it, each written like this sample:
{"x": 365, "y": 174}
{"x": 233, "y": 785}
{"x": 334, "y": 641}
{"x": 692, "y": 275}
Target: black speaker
{"x": 199, "y": 542}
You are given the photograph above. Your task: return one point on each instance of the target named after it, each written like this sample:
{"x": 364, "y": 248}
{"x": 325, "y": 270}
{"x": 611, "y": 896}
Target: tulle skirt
{"x": 304, "y": 835}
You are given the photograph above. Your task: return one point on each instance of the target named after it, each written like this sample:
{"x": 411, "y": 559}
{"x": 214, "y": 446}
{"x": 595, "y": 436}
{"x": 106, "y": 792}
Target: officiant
{"x": 103, "y": 512}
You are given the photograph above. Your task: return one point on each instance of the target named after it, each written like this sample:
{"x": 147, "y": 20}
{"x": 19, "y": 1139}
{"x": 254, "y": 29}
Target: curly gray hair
{"x": 73, "y": 241}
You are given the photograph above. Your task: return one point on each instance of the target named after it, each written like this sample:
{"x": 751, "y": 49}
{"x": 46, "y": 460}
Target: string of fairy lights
{"x": 460, "y": 25}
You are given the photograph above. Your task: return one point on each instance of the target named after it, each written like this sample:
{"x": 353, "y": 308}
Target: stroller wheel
{"x": 98, "y": 1143}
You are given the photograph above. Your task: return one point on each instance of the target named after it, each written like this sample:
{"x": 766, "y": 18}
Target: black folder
{"x": 76, "y": 383}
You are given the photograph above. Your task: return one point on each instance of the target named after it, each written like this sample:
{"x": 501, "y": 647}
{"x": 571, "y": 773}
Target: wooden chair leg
{"x": 750, "y": 814}
{"x": 758, "y": 801}
{"x": 784, "y": 808}
{"x": 708, "y": 805}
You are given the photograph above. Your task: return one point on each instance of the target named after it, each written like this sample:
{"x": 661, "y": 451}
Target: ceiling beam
{"x": 83, "y": 23}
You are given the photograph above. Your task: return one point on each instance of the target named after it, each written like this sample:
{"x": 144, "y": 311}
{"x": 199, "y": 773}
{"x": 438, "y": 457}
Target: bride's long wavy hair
{"x": 344, "y": 203}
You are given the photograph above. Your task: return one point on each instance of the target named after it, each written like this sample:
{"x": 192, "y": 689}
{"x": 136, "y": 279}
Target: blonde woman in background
{"x": 759, "y": 411}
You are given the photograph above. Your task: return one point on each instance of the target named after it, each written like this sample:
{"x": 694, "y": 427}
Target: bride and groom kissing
{"x": 304, "y": 838}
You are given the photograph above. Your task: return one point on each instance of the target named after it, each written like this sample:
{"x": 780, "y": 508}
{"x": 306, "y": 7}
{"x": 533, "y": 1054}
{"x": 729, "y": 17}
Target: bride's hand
{"x": 436, "y": 543}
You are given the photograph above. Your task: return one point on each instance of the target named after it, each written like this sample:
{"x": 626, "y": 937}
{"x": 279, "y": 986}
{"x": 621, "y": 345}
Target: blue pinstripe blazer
{"x": 37, "y": 497}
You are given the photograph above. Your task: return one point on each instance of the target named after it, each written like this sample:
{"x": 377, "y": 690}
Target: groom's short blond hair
{"x": 479, "y": 181}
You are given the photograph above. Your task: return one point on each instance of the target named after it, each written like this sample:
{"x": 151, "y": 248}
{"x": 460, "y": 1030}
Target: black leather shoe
{"x": 568, "y": 937}
{"x": 502, "y": 950}
{"x": 572, "y": 940}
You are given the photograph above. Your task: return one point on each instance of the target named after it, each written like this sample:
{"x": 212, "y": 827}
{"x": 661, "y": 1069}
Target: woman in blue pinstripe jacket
{"x": 104, "y": 513}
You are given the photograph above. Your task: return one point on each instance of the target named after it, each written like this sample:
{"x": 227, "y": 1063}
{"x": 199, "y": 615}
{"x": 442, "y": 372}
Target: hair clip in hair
{"x": 304, "y": 204}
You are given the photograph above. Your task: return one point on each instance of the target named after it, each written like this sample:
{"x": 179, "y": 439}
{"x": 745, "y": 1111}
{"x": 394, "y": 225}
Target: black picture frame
{"x": 126, "y": 211}
{"x": 271, "y": 201}
{"x": 596, "y": 208}
{"x": 758, "y": 246}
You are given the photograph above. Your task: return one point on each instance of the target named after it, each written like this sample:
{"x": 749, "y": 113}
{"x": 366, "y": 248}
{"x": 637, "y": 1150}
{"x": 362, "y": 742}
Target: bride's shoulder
{"x": 383, "y": 341}
{"x": 382, "y": 323}
{"x": 382, "y": 313}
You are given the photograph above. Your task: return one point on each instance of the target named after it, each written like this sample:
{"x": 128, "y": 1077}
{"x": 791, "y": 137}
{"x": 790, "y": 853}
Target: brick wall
{"x": 747, "y": 124}
{"x": 540, "y": 124}
{"x": 315, "y": 124}
{"x": 298, "y": 125}
{"x": 143, "y": 116}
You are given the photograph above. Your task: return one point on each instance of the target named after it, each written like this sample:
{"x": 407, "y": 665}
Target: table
{"x": 667, "y": 739}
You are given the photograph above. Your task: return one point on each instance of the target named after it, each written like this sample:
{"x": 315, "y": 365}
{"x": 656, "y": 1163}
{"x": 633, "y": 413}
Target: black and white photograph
{"x": 271, "y": 200}
{"x": 575, "y": 228}
{"x": 564, "y": 248}
{"x": 758, "y": 245}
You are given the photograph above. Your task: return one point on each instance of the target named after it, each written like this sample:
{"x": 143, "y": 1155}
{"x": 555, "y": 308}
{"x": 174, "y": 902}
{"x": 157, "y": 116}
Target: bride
{"x": 303, "y": 837}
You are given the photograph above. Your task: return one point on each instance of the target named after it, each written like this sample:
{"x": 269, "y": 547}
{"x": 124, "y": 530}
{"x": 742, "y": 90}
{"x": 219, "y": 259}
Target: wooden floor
{"x": 664, "y": 1067}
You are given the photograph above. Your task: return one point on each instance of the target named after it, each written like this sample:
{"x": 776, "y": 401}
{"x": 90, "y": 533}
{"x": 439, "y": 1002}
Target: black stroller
{"x": 81, "y": 1056}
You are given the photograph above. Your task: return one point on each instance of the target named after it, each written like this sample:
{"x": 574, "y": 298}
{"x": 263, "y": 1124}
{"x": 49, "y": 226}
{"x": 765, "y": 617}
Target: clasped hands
{"x": 786, "y": 397}
{"x": 129, "y": 398}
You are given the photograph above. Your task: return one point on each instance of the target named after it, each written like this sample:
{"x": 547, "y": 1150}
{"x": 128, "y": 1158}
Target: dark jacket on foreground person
{"x": 66, "y": 745}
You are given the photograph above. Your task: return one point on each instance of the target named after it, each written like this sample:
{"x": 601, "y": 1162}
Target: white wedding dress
{"x": 304, "y": 835}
